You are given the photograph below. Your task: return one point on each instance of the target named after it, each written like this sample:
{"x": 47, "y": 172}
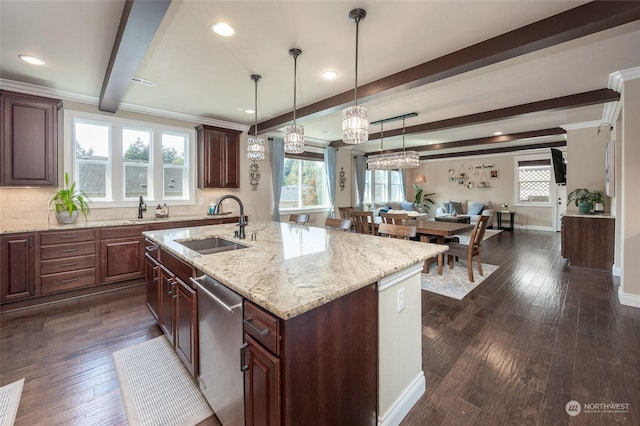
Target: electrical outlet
{"x": 401, "y": 299}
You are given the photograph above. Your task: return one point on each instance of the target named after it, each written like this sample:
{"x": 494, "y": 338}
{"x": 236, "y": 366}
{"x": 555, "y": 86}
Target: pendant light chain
{"x": 355, "y": 91}
{"x": 294, "y": 136}
{"x": 256, "y": 144}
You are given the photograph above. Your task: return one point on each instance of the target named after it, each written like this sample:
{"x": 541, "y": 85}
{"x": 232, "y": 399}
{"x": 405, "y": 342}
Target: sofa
{"x": 396, "y": 207}
{"x": 473, "y": 209}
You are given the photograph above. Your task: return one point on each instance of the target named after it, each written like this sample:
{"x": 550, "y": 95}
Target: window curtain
{"x": 277, "y": 168}
{"x": 361, "y": 169}
{"x": 330, "y": 155}
{"x": 403, "y": 179}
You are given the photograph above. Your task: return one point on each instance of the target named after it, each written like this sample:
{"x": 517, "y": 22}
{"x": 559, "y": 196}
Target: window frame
{"x": 115, "y": 189}
{"x": 516, "y": 181}
{"x": 370, "y": 184}
{"x": 308, "y": 156}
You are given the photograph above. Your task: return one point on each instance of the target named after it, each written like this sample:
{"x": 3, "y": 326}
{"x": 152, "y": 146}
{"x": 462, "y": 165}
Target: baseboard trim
{"x": 628, "y": 299}
{"x": 616, "y": 271}
{"x": 405, "y": 402}
{"x": 535, "y": 228}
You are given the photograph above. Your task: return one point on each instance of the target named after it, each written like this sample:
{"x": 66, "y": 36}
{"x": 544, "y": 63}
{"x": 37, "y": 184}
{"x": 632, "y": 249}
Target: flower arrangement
{"x": 505, "y": 207}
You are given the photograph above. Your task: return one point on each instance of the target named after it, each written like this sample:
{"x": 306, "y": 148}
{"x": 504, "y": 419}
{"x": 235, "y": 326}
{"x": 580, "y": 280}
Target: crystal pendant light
{"x": 255, "y": 150}
{"x": 379, "y": 161}
{"x": 394, "y": 160}
{"x": 294, "y": 136}
{"x": 355, "y": 121}
{"x": 406, "y": 159}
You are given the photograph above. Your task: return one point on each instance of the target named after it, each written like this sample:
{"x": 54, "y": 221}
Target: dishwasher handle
{"x": 213, "y": 297}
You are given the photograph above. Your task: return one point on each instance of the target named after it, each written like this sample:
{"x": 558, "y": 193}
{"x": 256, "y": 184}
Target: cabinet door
{"x": 186, "y": 306}
{"x": 28, "y": 142}
{"x": 261, "y": 385}
{"x": 17, "y": 266}
{"x": 152, "y": 282}
{"x": 121, "y": 259}
{"x": 218, "y": 157}
{"x": 231, "y": 161}
{"x": 166, "y": 311}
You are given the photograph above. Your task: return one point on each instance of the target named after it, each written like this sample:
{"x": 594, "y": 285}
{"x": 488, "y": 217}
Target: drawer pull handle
{"x": 64, "y": 265}
{"x": 70, "y": 280}
{"x": 249, "y": 323}
{"x": 151, "y": 248}
{"x": 69, "y": 250}
{"x": 68, "y": 237}
{"x": 243, "y": 363}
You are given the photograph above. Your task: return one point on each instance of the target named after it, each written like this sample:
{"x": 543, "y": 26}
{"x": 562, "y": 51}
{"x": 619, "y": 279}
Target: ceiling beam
{"x": 490, "y": 151}
{"x": 593, "y": 97}
{"x": 554, "y": 131}
{"x": 578, "y": 22}
{"x": 139, "y": 22}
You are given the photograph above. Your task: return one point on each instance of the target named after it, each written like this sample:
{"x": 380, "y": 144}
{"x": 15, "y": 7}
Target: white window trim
{"x": 310, "y": 209}
{"x": 516, "y": 181}
{"x": 372, "y": 185}
{"x": 69, "y": 156}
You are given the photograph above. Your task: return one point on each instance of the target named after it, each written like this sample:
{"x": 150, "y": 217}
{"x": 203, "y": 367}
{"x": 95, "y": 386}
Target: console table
{"x": 511, "y": 219}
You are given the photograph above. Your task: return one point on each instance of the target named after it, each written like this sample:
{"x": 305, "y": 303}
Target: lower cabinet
{"x": 121, "y": 254}
{"x": 152, "y": 277}
{"x": 186, "y": 309}
{"x": 261, "y": 385}
{"x": 67, "y": 260}
{"x": 17, "y": 267}
{"x": 588, "y": 241}
{"x": 166, "y": 305}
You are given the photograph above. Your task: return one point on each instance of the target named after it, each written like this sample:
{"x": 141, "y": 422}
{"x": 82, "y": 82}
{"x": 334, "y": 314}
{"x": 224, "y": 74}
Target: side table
{"x": 511, "y": 219}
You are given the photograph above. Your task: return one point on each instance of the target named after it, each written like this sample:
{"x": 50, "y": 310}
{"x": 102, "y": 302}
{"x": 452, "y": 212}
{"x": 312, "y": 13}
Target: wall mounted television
{"x": 559, "y": 166}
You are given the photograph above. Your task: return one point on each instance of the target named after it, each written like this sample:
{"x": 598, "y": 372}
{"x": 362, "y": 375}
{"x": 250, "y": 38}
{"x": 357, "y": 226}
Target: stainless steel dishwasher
{"x": 220, "y": 331}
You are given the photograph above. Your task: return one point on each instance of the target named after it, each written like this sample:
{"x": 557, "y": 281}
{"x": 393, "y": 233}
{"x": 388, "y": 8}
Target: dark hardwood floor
{"x": 533, "y": 336}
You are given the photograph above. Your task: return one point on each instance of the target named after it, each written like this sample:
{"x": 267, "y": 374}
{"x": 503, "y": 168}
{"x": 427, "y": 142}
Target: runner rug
{"x": 9, "y": 401}
{"x": 155, "y": 386}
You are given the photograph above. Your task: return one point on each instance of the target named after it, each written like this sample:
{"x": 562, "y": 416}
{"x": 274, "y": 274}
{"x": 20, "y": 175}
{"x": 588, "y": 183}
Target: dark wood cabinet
{"x": 186, "y": 332}
{"x": 152, "y": 282}
{"x": 588, "y": 241}
{"x": 261, "y": 385}
{"x": 166, "y": 305}
{"x": 28, "y": 140}
{"x": 17, "y": 266}
{"x": 218, "y": 157}
{"x": 121, "y": 254}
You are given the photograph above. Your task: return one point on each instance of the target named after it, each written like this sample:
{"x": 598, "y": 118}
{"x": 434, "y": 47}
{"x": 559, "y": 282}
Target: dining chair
{"x": 395, "y": 218}
{"x": 362, "y": 222}
{"x": 397, "y": 231}
{"x": 332, "y": 223}
{"x": 472, "y": 250}
{"x": 345, "y": 212}
{"x": 299, "y": 219}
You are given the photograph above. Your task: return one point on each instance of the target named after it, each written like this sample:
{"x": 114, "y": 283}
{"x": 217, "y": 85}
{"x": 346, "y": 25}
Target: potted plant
{"x": 68, "y": 201}
{"x": 582, "y": 198}
{"x": 597, "y": 198}
{"x": 421, "y": 200}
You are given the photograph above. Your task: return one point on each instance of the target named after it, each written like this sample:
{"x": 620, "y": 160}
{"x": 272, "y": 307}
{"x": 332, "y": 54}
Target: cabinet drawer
{"x": 262, "y": 326}
{"x": 60, "y": 237}
{"x": 121, "y": 232}
{"x": 178, "y": 267}
{"x": 68, "y": 280}
{"x": 68, "y": 264}
{"x": 67, "y": 250}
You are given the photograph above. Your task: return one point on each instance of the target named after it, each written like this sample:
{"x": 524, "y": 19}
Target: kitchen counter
{"x": 291, "y": 269}
{"x": 590, "y": 215}
{"x": 81, "y": 223}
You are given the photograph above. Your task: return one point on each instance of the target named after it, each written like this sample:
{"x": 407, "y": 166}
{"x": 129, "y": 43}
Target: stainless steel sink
{"x": 211, "y": 245}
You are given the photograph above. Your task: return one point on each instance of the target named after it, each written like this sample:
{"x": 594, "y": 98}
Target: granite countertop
{"x": 591, "y": 215}
{"x": 81, "y": 223}
{"x": 291, "y": 269}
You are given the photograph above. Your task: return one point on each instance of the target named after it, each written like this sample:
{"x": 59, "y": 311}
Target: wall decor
{"x": 451, "y": 172}
{"x": 469, "y": 185}
{"x": 460, "y": 181}
{"x": 487, "y": 165}
{"x": 483, "y": 181}
{"x": 494, "y": 174}
{"x": 476, "y": 173}
{"x": 343, "y": 179}
{"x": 452, "y": 178}
{"x": 254, "y": 175}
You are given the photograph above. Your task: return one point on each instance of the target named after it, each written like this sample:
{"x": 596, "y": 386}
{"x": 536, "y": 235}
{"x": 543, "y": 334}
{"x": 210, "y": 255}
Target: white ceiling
{"x": 202, "y": 74}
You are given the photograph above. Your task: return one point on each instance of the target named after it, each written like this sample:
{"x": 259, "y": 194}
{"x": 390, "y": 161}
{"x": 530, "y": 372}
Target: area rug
{"x": 454, "y": 282}
{"x": 155, "y": 386}
{"x": 9, "y": 401}
{"x": 465, "y": 237}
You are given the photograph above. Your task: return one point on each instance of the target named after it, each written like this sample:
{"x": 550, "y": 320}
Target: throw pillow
{"x": 405, "y": 205}
{"x": 476, "y": 208}
{"x": 455, "y": 206}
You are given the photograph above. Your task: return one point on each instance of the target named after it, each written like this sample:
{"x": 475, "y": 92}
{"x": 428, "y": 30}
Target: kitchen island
{"x": 346, "y": 315}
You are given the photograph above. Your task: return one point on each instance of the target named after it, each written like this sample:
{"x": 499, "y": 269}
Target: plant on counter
{"x": 585, "y": 199}
{"x": 422, "y": 200}
{"x": 68, "y": 201}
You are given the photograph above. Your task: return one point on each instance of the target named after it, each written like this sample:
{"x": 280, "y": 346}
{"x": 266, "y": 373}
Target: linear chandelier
{"x": 294, "y": 136}
{"x": 255, "y": 149}
{"x": 355, "y": 121}
{"x": 394, "y": 160}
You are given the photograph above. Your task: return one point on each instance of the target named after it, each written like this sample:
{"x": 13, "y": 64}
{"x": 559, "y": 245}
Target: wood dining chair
{"x": 343, "y": 224}
{"x": 397, "y": 231}
{"x": 362, "y": 222}
{"x": 395, "y": 218}
{"x": 299, "y": 219}
{"x": 345, "y": 212}
{"x": 472, "y": 250}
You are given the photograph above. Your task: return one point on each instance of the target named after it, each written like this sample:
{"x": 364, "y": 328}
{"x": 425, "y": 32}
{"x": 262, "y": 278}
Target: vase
{"x": 584, "y": 207}
{"x": 65, "y": 218}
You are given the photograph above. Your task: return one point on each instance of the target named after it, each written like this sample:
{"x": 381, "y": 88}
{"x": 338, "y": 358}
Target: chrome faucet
{"x": 142, "y": 207}
{"x": 241, "y": 223}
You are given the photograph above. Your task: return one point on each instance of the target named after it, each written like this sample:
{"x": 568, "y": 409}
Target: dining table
{"x": 426, "y": 228}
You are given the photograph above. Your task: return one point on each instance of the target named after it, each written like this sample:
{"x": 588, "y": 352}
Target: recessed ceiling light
{"x": 223, "y": 29}
{"x": 31, "y": 59}
{"x": 497, "y": 133}
{"x": 329, "y": 75}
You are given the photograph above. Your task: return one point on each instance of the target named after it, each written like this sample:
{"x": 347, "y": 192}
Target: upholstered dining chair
{"x": 396, "y": 231}
{"x": 299, "y": 219}
{"x": 343, "y": 224}
{"x": 472, "y": 250}
{"x": 345, "y": 212}
{"x": 395, "y": 218}
{"x": 362, "y": 222}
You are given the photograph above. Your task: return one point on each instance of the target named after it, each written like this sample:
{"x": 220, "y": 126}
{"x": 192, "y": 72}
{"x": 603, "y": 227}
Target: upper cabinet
{"x": 28, "y": 140}
{"x": 218, "y": 157}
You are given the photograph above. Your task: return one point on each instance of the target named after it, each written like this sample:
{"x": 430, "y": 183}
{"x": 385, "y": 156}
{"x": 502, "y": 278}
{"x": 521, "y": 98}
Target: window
{"x": 534, "y": 181}
{"x": 382, "y": 185}
{"x": 303, "y": 184}
{"x": 117, "y": 161}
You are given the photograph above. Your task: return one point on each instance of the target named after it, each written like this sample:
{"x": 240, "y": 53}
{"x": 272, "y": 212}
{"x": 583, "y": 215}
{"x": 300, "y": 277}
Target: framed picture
{"x": 452, "y": 179}
{"x": 460, "y": 181}
{"x": 494, "y": 174}
{"x": 451, "y": 172}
